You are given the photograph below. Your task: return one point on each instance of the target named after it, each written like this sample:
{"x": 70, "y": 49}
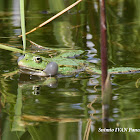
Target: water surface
{"x": 33, "y": 108}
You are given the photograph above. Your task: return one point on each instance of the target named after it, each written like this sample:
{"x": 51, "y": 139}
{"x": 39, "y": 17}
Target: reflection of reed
{"x": 106, "y": 106}
{"x": 18, "y": 124}
{"x": 105, "y": 121}
{"x": 86, "y": 134}
{"x": 89, "y": 121}
{"x": 47, "y": 119}
{"x": 90, "y": 106}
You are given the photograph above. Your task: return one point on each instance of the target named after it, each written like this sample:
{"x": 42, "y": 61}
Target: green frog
{"x": 64, "y": 64}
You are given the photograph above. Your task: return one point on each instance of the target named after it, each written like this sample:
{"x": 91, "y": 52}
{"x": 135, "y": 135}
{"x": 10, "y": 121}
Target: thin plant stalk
{"x": 54, "y": 17}
{"x": 5, "y": 47}
{"x": 22, "y": 15}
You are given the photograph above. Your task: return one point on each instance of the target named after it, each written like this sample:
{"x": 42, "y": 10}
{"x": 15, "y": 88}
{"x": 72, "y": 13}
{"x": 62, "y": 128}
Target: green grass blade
{"x": 22, "y": 15}
{"x": 10, "y": 48}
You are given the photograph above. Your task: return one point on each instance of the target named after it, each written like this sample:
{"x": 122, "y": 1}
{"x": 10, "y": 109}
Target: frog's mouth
{"x": 50, "y": 70}
{"x": 29, "y": 69}
{"x": 32, "y": 71}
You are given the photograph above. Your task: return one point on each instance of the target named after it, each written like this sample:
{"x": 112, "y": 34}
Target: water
{"x": 34, "y": 108}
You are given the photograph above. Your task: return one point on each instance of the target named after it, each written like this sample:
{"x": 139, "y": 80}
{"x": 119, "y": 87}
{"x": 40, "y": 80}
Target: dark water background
{"x": 58, "y": 110}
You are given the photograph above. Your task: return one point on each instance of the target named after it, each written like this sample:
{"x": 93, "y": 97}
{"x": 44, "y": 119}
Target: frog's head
{"x": 37, "y": 63}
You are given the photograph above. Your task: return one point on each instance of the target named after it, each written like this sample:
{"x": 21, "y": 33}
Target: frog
{"x": 66, "y": 63}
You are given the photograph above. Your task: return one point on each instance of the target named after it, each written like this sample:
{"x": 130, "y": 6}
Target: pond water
{"x": 58, "y": 108}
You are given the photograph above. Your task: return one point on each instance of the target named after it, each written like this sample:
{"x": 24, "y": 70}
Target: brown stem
{"x": 54, "y": 17}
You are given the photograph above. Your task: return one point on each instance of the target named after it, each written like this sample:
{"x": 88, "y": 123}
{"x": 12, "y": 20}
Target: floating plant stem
{"x": 54, "y": 17}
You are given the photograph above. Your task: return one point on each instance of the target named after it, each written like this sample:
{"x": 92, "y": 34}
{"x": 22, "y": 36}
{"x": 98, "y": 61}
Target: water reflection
{"x": 45, "y": 107}
{"x": 16, "y": 13}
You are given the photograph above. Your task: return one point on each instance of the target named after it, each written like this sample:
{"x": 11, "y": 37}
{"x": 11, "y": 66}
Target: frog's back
{"x": 69, "y": 62}
{"x": 67, "y": 58}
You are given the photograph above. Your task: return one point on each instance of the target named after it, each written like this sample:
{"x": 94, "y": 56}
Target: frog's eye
{"x": 38, "y": 59}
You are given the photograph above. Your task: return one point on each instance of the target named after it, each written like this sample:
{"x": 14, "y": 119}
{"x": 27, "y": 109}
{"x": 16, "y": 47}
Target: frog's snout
{"x": 51, "y": 69}
{"x": 21, "y": 57}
